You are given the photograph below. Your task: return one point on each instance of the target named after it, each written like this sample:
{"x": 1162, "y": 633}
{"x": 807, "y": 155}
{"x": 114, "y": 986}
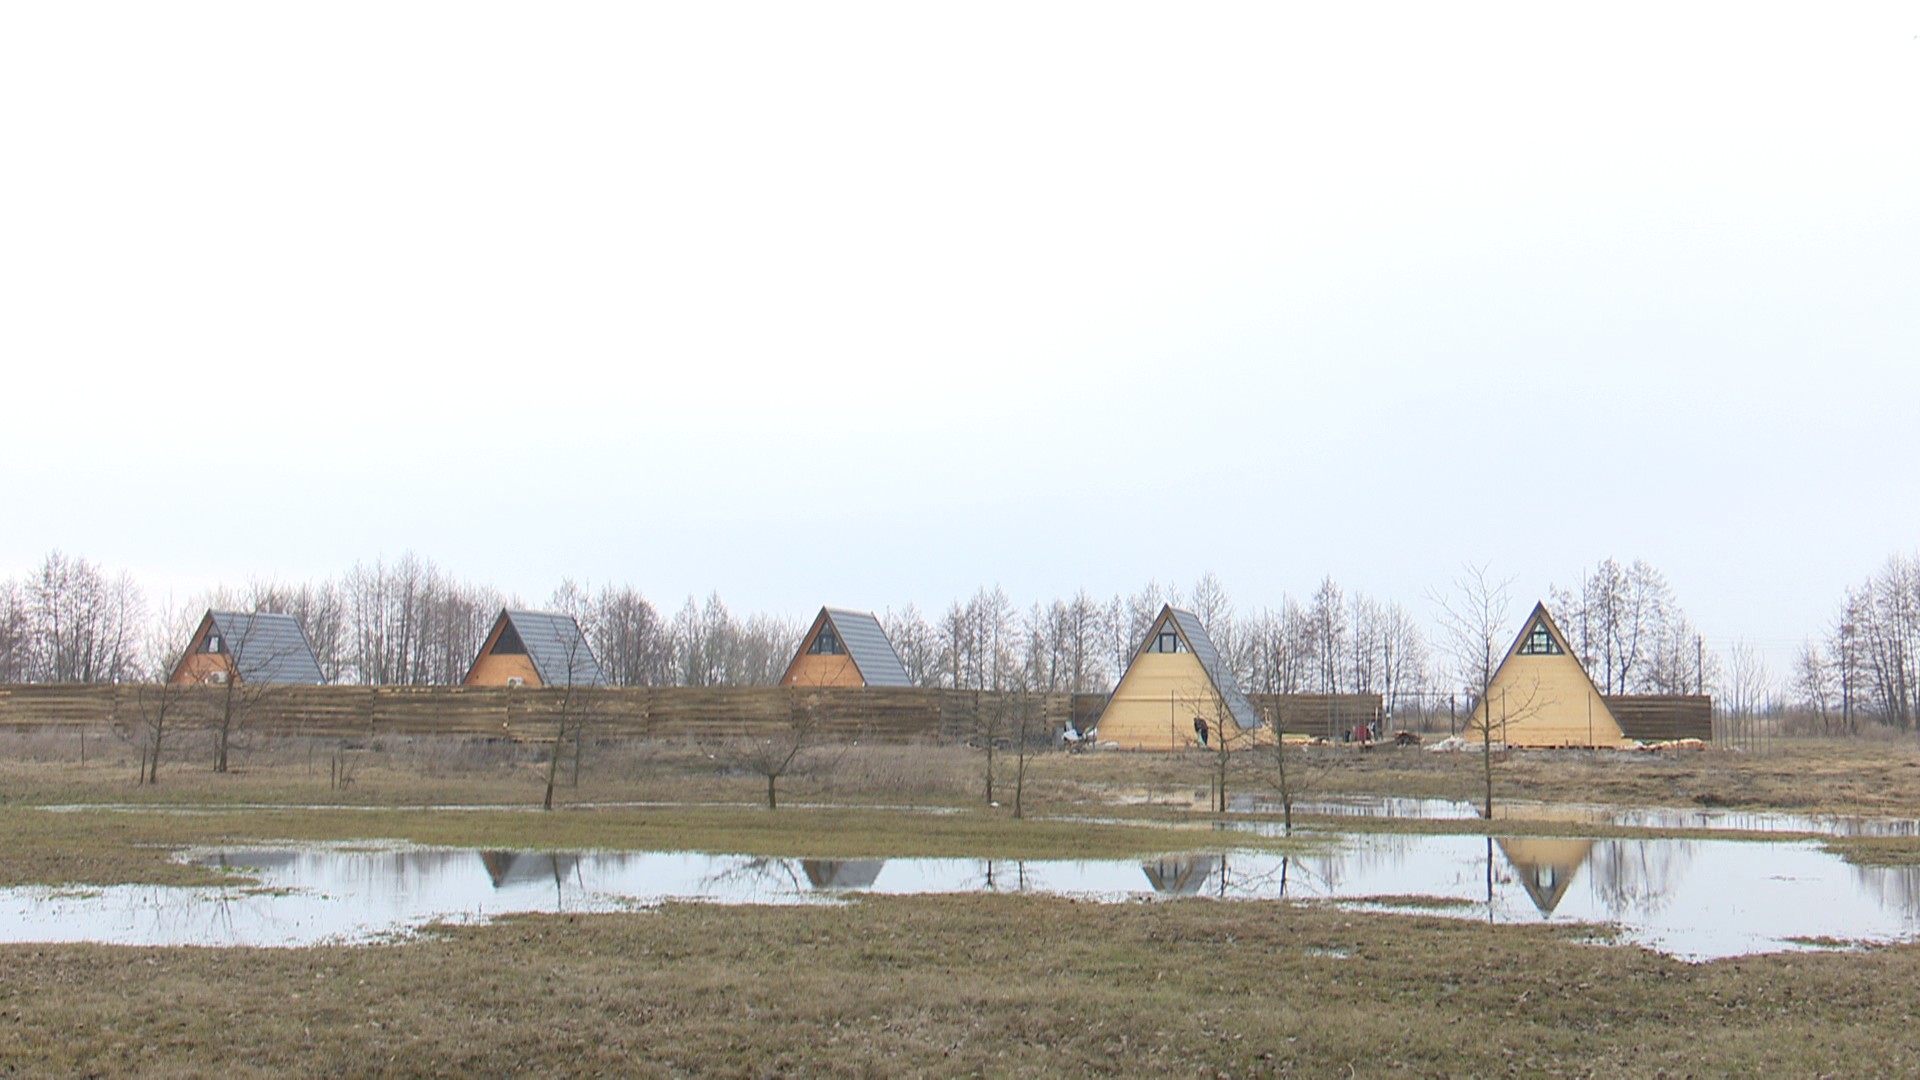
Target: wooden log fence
{"x": 890, "y": 714}
{"x": 522, "y": 713}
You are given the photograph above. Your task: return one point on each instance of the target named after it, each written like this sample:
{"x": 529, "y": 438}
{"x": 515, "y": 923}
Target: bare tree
{"x": 787, "y": 750}
{"x": 1749, "y": 683}
{"x": 1328, "y": 628}
{"x": 158, "y": 709}
{"x": 992, "y": 721}
{"x": 1293, "y": 773}
{"x": 1025, "y": 723}
{"x": 16, "y": 642}
{"x": 1473, "y": 618}
{"x": 1814, "y": 681}
{"x": 1616, "y": 622}
{"x": 1877, "y": 644}
{"x": 248, "y": 650}
{"x": 917, "y": 643}
{"x": 82, "y": 625}
{"x": 573, "y": 712}
{"x": 1403, "y": 658}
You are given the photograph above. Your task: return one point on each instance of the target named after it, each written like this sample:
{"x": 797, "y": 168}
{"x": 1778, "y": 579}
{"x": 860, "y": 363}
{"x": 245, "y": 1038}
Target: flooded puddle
{"x": 1661, "y": 818}
{"x": 1696, "y": 899}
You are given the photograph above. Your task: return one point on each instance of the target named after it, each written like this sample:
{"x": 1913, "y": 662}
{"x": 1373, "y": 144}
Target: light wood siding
{"x": 492, "y": 670}
{"x": 1547, "y": 700}
{"x": 1154, "y": 705}
{"x": 196, "y": 667}
{"x": 800, "y": 654}
{"x": 809, "y": 670}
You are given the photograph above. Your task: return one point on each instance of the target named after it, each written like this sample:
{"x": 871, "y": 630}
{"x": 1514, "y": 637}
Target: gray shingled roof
{"x": 267, "y": 648}
{"x": 1209, "y": 657}
{"x": 867, "y": 644}
{"x": 553, "y": 642}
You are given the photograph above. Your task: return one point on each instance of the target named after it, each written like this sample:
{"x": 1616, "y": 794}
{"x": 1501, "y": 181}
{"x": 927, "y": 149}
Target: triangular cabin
{"x": 534, "y": 648}
{"x": 1542, "y": 696}
{"x": 845, "y": 648}
{"x": 1175, "y": 681}
{"x": 258, "y": 648}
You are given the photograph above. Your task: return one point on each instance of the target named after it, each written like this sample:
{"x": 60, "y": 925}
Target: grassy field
{"x": 879, "y": 985}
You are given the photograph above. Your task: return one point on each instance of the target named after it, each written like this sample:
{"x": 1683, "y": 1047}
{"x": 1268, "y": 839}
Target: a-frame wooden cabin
{"x": 1176, "y": 677}
{"x": 534, "y": 648}
{"x": 845, "y": 648}
{"x": 259, "y": 648}
{"x": 1541, "y": 695}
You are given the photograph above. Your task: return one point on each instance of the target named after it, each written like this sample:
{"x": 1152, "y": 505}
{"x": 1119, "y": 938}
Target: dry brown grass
{"x": 1846, "y": 776}
{"x": 927, "y": 985}
{"x": 1858, "y": 776}
{"x": 958, "y": 985}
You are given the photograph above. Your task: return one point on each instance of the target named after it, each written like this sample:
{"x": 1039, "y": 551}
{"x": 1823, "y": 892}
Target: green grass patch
{"x": 1876, "y": 850}
{"x": 1414, "y": 901}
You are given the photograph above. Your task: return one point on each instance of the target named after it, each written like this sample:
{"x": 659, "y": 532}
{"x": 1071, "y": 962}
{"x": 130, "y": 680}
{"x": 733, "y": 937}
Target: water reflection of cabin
{"x": 534, "y": 648}
{"x": 261, "y": 648}
{"x": 842, "y": 873}
{"x": 1541, "y": 695}
{"x": 1545, "y": 865}
{"x": 1185, "y": 875}
{"x": 1176, "y": 675}
{"x": 845, "y": 648}
{"x": 520, "y": 867}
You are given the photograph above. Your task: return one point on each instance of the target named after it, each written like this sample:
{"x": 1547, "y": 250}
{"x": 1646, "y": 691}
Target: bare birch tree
{"x": 1473, "y": 618}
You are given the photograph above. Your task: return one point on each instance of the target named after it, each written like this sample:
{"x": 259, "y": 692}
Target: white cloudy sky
{"x": 878, "y": 303}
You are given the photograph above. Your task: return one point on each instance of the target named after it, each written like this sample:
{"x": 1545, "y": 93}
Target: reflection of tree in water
{"x": 1639, "y": 875}
{"x": 1216, "y": 875}
{"x": 842, "y": 873}
{"x": 753, "y": 875}
{"x": 1383, "y": 854}
{"x": 1896, "y": 887}
{"x": 1004, "y": 875}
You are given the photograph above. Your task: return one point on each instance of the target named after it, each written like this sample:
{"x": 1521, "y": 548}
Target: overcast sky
{"x": 870, "y": 304}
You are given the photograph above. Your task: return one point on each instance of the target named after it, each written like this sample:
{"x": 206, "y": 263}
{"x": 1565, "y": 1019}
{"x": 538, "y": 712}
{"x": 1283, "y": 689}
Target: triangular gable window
{"x": 1166, "y": 640}
{"x": 1539, "y": 642}
{"x": 509, "y": 643}
{"x": 826, "y": 643}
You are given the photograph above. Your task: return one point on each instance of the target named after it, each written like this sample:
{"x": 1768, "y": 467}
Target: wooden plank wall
{"x": 887, "y": 714}
{"x": 1661, "y": 717}
{"x": 1326, "y": 715}
{"x": 353, "y": 712}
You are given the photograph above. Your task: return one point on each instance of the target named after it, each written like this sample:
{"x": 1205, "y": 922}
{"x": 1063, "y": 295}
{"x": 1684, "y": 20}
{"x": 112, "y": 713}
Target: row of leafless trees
{"x": 1332, "y": 643}
{"x": 406, "y": 621}
{"x": 1631, "y": 634}
{"x": 1868, "y": 665}
{"x": 69, "y": 621}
